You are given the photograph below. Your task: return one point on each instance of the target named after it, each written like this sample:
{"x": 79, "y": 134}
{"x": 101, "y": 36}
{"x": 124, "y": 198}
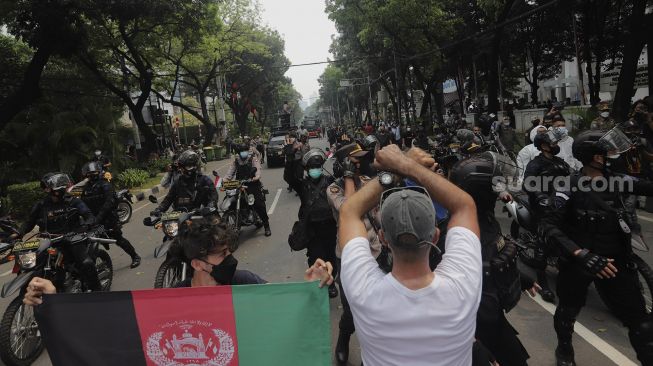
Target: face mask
{"x": 506, "y": 123}
{"x": 555, "y": 150}
{"x": 223, "y": 273}
{"x": 605, "y": 114}
{"x": 562, "y": 131}
{"x": 315, "y": 173}
{"x": 244, "y": 154}
{"x": 614, "y": 157}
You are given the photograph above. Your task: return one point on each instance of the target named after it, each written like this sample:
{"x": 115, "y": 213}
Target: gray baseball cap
{"x": 407, "y": 211}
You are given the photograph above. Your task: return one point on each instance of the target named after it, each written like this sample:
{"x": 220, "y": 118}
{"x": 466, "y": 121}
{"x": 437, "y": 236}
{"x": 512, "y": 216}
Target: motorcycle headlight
{"x": 232, "y": 192}
{"x": 27, "y": 260}
{"x": 171, "y": 228}
{"x": 250, "y": 199}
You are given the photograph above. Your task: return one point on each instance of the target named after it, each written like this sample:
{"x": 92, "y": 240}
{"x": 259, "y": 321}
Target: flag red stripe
{"x": 187, "y": 325}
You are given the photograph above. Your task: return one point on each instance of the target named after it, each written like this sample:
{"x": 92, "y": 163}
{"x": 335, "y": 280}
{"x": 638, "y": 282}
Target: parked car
{"x": 274, "y": 152}
{"x": 312, "y": 132}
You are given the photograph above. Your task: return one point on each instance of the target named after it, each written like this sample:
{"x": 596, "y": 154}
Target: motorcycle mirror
{"x": 215, "y": 174}
{"x": 153, "y": 199}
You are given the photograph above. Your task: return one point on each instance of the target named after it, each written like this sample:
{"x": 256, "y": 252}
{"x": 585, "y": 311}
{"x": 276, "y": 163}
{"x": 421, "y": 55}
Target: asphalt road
{"x": 600, "y": 338}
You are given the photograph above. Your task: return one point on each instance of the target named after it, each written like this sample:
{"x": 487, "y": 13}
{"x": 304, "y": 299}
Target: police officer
{"x": 191, "y": 190}
{"x": 544, "y": 168}
{"x": 246, "y": 166}
{"x": 603, "y": 121}
{"x": 99, "y": 196}
{"x": 592, "y": 230}
{"x": 350, "y": 161}
{"x": 316, "y": 212}
{"x": 475, "y": 175}
{"x": 59, "y": 213}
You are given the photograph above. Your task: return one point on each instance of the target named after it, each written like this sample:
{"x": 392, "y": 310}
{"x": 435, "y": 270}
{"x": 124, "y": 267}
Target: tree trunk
{"x": 493, "y": 77}
{"x": 29, "y": 90}
{"x": 206, "y": 119}
{"x": 634, "y": 38}
{"x": 149, "y": 141}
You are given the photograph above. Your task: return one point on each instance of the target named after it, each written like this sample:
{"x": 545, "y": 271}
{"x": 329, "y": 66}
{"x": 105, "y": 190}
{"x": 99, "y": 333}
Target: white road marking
{"x": 6, "y": 273}
{"x": 274, "y": 203}
{"x": 591, "y": 338}
{"x": 641, "y": 217}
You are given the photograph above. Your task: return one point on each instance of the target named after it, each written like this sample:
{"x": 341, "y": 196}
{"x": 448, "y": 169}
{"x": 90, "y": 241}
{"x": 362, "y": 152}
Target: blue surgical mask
{"x": 244, "y": 154}
{"x": 562, "y": 131}
{"x": 315, "y": 173}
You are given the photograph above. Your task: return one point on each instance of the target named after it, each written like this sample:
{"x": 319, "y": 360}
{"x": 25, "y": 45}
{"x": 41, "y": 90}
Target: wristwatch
{"x": 386, "y": 179}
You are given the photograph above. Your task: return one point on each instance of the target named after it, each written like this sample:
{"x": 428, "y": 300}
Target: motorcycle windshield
{"x": 615, "y": 141}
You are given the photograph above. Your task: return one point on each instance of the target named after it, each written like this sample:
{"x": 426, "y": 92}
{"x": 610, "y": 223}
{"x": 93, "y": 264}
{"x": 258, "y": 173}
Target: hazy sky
{"x": 307, "y": 31}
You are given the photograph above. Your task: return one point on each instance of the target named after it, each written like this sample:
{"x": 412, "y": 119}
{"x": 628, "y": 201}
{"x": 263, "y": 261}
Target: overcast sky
{"x": 307, "y": 31}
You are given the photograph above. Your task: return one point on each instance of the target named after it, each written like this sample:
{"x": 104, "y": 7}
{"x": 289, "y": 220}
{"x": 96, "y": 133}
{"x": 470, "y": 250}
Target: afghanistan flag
{"x": 272, "y": 324}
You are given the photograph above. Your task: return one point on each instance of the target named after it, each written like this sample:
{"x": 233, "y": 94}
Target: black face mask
{"x": 223, "y": 273}
{"x": 555, "y": 150}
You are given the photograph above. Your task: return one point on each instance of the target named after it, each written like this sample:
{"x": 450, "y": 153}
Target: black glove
{"x": 348, "y": 168}
{"x": 592, "y": 263}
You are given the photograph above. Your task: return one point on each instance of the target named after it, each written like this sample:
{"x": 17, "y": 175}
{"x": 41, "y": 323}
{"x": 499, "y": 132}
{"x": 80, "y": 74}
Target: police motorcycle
{"x": 125, "y": 200}
{"x": 8, "y": 231}
{"x": 40, "y": 255}
{"x": 174, "y": 269}
{"x": 237, "y": 206}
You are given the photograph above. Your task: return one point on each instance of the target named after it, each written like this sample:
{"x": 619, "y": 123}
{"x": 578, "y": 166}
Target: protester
{"x": 528, "y": 152}
{"x": 413, "y": 316}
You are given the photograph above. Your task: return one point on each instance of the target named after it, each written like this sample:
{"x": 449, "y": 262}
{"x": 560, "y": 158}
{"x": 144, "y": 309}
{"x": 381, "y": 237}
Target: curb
{"x": 152, "y": 191}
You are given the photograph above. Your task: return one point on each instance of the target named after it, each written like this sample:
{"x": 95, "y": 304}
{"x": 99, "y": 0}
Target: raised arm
{"x": 350, "y": 224}
{"x": 460, "y": 205}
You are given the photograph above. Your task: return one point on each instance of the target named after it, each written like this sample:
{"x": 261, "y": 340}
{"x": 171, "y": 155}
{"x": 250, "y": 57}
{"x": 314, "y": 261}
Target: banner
{"x": 271, "y": 324}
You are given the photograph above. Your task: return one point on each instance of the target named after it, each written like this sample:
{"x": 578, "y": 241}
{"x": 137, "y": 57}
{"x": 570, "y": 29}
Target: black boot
{"x": 266, "y": 225}
{"x": 342, "y": 348}
{"x": 565, "y": 354}
{"x": 136, "y": 261}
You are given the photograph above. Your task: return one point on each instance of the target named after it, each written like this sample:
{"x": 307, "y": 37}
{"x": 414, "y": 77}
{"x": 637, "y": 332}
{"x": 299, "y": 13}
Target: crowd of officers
{"x": 591, "y": 229}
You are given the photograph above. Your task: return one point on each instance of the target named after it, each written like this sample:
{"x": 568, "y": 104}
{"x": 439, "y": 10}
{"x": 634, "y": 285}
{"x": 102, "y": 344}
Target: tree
{"x": 125, "y": 37}
{"x": 260, "y": 63}
{"x": 50, "y": 27}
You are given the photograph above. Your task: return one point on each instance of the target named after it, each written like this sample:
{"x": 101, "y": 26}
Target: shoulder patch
{"x": 334, "y": 189}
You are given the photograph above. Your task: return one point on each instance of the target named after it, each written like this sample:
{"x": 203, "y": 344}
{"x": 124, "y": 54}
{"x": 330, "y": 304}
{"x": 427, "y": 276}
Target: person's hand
{"x": 35, "y": 290}
{"x": 534, "y": 290}
{"x": 320, "y": 270}
{"x": 392, "y": 159}
{"x": 505, "y": 197}
{"x": 348, "y": 168}
{"x": 596, "y": 265}
{"x": 423, "y": 158}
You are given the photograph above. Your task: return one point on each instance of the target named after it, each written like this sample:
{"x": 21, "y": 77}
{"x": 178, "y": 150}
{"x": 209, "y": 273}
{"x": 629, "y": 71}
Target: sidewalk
{"x": 220, "y": 166}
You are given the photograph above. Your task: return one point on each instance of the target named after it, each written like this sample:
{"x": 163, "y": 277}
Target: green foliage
{"x": 156, "y": 166}
{"x": 131, "y": 178}
{"x": 22, "y": 197}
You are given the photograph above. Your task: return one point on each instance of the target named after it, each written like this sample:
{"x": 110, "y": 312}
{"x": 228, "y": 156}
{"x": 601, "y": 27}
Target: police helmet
{"x": 56, "y": 181}
{"x": 369, "y": 142}
{"x": 91, "y": 168}
{"x": 188, "y": 160}
{"x": 314, "y": 158}
{"x": 242, "y": 147}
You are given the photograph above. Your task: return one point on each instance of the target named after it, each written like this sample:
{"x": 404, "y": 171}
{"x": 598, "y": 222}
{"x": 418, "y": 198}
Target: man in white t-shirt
{"x": 412, "y": 316}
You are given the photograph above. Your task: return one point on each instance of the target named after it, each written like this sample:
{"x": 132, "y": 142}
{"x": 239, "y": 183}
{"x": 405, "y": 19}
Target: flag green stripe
{"x": 282, "y": 324}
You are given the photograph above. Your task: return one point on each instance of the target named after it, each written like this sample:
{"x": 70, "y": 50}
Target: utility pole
{"x": 581, "y": 78}
{"x": 500, "y": 84}
{"x": 397, "y": 92}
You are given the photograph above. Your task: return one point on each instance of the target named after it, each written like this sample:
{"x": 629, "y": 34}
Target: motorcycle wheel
{"x": 124, "y": 211}
{"x": 231, "y": 220}
{"x": 104, "y": 267}
{"x": 645, "y": 279}
{"x": 169, "y": 273}
{"x": 20, "y": 339}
